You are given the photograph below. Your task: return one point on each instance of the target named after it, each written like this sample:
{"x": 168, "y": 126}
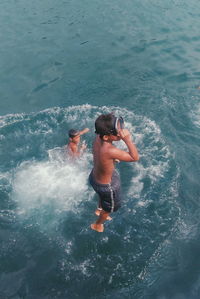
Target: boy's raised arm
{"x": 84, "y": 131}
{"x": 130, "y": 156}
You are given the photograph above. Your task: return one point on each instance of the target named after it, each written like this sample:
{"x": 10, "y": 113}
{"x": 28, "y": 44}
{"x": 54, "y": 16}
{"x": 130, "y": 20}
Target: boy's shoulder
{"x": 109, "y": 149}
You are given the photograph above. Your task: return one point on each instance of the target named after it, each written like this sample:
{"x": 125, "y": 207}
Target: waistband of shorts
{"x": 99, "y": 184}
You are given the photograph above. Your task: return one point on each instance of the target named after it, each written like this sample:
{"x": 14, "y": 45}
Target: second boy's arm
{"x": 84, "y": 131}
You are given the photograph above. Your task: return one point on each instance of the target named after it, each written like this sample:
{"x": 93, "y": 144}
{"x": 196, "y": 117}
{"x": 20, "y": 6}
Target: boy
{"x": 74, "y": 140}
{"x": 103, "y": 177}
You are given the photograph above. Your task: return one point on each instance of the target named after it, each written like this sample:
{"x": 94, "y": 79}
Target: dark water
{"x": 62, "y": 64}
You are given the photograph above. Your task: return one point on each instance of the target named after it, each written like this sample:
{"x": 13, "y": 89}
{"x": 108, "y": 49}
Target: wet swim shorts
{"x": 110, "y": 194}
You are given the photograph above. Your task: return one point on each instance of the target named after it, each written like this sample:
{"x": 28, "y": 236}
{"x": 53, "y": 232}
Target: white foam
{"x": 195, "y": 115}
{"x": 11, "y": 118}
{"x": 56, "y": 183}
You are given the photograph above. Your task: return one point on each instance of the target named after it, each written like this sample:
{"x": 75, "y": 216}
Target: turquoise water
{"x": 62, "y": 64}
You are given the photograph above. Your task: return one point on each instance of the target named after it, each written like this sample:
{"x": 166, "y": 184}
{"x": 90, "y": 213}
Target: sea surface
{"x": 63, "y": 63}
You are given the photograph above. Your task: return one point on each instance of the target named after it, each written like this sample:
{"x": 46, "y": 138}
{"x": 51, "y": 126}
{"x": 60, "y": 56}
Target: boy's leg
{"x": 98, "y": 225}
{"x": 99, "y": 209}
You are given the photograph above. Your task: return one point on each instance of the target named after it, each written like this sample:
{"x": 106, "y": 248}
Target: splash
{"x": 56, "y": 183}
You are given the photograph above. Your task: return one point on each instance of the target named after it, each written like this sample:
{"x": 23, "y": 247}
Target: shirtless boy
{"x": 74, "y": 139}
{"x": 103, "y": 177}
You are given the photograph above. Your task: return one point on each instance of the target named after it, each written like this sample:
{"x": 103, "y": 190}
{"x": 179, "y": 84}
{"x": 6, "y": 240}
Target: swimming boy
{"x": 74, "y": 140}
{"x": 103, "y": 177}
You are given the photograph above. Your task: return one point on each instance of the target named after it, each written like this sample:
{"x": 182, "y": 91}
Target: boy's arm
{"x": 121, "y": 155}
{"x": 84, "y": 131}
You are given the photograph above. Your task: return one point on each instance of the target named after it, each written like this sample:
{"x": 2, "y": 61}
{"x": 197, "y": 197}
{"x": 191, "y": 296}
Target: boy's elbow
{"x": 135, "y": 158}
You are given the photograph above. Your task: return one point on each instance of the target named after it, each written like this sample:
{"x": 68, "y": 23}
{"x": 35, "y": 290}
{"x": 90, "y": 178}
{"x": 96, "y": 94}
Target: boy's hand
{"x": 125, "y": 135}
{"x": 83, "y": 146}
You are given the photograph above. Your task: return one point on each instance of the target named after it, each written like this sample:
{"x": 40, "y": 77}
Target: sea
{"x": 62, "y": 64}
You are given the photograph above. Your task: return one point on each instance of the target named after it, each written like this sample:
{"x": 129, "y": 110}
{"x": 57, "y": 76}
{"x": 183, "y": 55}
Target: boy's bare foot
{"x": 98, "y": 227}
{"x": 98, "y": 211}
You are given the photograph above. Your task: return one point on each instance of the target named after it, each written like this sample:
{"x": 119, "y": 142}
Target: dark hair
{"x": 72, "y": 133}
{"x": 104, "y": 124}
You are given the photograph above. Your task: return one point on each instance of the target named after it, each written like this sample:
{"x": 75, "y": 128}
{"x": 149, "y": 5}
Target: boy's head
{"x": 74, "y": 135}
{"x": 108, "y": 125}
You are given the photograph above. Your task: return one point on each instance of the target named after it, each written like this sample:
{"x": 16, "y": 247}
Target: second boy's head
{"x": 107, "y": 126}
{"x": 74, "y": 136}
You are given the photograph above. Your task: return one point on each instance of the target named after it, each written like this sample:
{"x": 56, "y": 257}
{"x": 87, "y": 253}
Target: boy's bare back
{"x": 103, "y": 164}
